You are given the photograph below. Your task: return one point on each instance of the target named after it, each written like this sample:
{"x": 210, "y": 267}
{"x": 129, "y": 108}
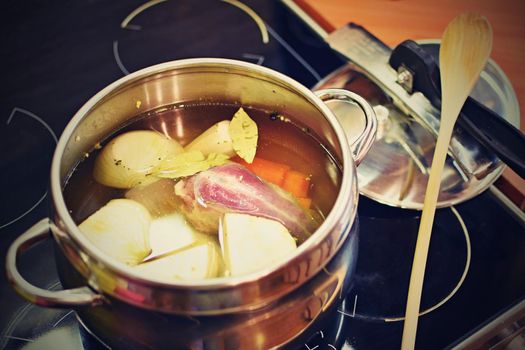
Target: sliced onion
{"x": 121, "y": 230}
{"x": 196, "y": 262}
{"x": 128, "y": 159}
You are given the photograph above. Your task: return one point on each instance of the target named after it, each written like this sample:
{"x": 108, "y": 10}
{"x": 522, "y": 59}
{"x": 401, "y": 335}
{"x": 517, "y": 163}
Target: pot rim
{"x": 347, "y": 192}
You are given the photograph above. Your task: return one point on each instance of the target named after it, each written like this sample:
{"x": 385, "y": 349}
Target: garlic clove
{"x": 129, "y": 159}
{"x": 250, "y": 243}
{"x": 120, "y": 229}
{"x": 193, "y": 263}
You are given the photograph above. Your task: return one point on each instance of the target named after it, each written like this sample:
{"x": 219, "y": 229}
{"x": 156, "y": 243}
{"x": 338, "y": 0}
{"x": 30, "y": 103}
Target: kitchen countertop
{"x": 395, "y": 21}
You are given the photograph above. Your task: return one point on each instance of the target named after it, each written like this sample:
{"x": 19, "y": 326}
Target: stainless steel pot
{"x": 242, "y": 312}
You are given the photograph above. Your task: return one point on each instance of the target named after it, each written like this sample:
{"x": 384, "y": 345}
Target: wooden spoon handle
{"x": 465, "y": 49}
{"x": 423, "y": 239}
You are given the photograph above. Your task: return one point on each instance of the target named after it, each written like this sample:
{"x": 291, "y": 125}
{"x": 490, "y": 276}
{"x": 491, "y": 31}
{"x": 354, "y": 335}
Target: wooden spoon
{"x": 465, "y": 48}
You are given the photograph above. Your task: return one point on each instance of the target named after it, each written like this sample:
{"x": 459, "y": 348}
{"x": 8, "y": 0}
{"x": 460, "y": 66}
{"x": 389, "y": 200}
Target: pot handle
{"x": 82, "y": 296}
{"x": 364, "y": 141}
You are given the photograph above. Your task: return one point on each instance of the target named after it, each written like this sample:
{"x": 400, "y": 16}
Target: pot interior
{"x": 191, "y": 81}
{"x": 206, "y": 81}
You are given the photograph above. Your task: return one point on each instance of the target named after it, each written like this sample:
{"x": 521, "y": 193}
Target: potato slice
{"x": 250, "y": 243}
{"x": 193, "y": 263}
{"x": 120, "y": 229}
{"x": 129, "y": 159}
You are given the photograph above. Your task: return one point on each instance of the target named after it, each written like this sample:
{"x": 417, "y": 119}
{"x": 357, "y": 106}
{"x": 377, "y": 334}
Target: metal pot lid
{"x": 395, "y": 170}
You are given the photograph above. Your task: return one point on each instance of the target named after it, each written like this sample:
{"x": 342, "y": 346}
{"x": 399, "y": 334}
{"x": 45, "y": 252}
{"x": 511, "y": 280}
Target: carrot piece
{"x": 296, "y": 183}
{"x": 304, "y": 202}
{"x": 267, "y": 170}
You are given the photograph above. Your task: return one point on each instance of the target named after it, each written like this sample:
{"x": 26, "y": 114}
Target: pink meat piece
{"x": 233, "y": 188}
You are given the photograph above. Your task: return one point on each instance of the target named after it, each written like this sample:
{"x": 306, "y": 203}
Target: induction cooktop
{"x": 59, "y": 54}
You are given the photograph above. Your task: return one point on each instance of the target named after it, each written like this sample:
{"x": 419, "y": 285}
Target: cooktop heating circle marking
{"x": 463, "y": 276}
{"x": 293, "y": 53}
{"x": 91, "y": 333}
{"x": 34, "y": 116}
{"x": 353, "y": 310}
{"x": 117, "y": 58}
{"x": 19, "y": 338}
{"x": 260, "y": 23}
{"x": 48, "y": 128}
{"x": 37, "y": 203}
{"x": 19, "y": 316}
{"x": 444, "y": 300}
{"x": 339, "y": 329}
{"x": 259, "y": 58}
{"x": 264, "y": 28}
{"x": 258, "y": 20}
{"x": 6, "y": 334}
{"x": 125, "y": 23}
{"x": 62, "y": 319}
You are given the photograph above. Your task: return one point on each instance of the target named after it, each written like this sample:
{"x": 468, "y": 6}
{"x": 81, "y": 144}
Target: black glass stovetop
{"x": 56, "y": 55}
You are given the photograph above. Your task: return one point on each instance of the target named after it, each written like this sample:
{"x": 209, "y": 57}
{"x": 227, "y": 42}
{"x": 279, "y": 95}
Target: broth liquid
{"x": 280, "y": 140}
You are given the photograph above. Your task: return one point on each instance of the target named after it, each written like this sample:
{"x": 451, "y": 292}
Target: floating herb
{"x": 188, "y": 163}
{"x": 244, "y": 134}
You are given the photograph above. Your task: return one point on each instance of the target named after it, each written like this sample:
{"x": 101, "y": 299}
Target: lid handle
{"x": 489, "y": 129}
